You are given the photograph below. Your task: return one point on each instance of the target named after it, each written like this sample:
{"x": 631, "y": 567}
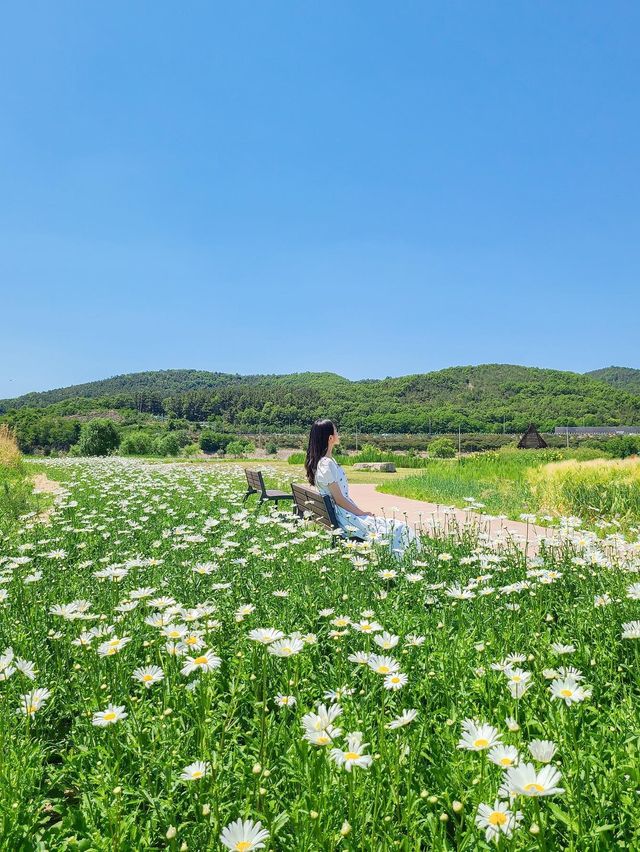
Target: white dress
{"x": 398, "y": 534}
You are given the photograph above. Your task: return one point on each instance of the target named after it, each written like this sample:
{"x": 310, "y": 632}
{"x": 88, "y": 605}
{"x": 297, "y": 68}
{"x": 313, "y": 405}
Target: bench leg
{"x": 250, "y": 491}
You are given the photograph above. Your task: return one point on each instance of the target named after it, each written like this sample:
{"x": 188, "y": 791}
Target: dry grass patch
{"x": 9, "y": 452}
{"x": 598, "y": 487}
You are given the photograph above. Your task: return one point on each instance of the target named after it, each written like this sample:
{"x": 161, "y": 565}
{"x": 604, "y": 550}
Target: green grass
{"x": 67, "y": 784}
{"x": 370, "y": 454}
{"x": 498, "y": 480}
{"x": 16, "y": 495}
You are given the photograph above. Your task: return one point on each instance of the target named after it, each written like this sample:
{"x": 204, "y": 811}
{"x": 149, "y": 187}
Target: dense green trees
{"x": 212, "y": 442}
{"x": 98, "y": 438}
{"x": 39, "y": 430}
{"x": 624, "y": 378}
{"x": 490, "y": 398}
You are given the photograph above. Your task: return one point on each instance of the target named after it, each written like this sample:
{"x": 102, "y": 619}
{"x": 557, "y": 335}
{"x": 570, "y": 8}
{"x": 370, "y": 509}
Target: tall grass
{"x": 499, "y": 480}
{"x": 15, "y": 489}
{"x": 9, "y": 452}
{"x": 602, "y": 487}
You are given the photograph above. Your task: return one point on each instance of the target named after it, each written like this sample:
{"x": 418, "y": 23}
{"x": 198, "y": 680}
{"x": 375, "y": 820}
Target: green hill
{"x": 483, "y": 398}
{"x": 624, "y": 378}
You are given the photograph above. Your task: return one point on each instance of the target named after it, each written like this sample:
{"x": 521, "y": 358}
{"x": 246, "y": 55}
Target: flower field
{"x": 179, "y": 670}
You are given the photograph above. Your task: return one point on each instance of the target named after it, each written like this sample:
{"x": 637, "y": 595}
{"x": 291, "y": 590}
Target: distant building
{"x": 597, "y": 430}
{"x": 532, "y": 440}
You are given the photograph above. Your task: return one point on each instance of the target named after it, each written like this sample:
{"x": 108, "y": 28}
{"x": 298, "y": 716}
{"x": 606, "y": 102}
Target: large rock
{"x": 383, "y": 467}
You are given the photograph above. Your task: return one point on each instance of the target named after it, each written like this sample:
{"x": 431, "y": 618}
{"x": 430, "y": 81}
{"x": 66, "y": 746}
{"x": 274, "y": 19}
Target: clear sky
{"x": 264, "y": 186}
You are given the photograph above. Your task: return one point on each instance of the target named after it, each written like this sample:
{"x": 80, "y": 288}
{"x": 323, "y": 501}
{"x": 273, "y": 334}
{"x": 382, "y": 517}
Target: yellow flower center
{"x": 147, "y": 678}
{"x": 384, "y": 669}
{"x": 201, "y": 661}
{"x": 109, "y": 717}
{"x": 395, "y": 679}
{"x": 481, "y": 743}
{"x": 505, "y": 761}
{"x": 533, "y": 786}
{"x": 191, "y": 640}
{"x": 497, "y": 818}
{"x": 365, "y": 628}
{"x": 31, "y": 709}
{"x": 516, "y": 678}
{"x": 322, "y": 740}
{"x": 286, "y": 650}
{"x": 351, "y": 755}
{"x": 567, "y": 693}
{"x": 198, "y": 773}
{"x": 243, "y": 845}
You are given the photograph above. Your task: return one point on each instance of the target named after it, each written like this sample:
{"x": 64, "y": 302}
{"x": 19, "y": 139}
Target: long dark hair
{"x": 318, "y": 444}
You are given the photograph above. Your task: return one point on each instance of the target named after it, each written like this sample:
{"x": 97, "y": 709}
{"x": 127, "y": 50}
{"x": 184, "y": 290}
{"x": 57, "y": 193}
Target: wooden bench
{"x": 319, "y": 508}
{"x": 255, "y": 485}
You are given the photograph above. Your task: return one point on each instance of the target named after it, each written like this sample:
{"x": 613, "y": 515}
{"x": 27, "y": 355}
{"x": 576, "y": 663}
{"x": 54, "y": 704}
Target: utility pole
{"x": 459, "y": 444}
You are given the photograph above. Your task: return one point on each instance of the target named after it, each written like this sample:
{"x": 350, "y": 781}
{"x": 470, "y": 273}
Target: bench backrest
{"x": 255, "y": 480}
{"x": 309, "y": 502}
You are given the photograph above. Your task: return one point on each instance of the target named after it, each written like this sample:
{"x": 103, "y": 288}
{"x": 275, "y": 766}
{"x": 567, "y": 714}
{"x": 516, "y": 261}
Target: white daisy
{"x": 497, "y": 820}
{"x": 244, "y": 835}
{"x": 405, "y": 718}
{"x": 195, "y": 771}
{"x": 148, "y": 675}
{"x": 110, "y": 716}
{"x": 353, "y": 755}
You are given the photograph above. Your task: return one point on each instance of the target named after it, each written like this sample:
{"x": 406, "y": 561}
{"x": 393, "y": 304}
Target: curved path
{"x": 419, "y": 513}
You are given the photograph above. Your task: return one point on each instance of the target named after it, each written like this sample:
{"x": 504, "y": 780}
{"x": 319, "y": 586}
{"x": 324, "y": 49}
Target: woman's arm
{"x": 344, "y": 502}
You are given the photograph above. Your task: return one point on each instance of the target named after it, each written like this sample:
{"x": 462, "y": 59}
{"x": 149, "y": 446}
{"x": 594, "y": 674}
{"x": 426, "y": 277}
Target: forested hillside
{"x": 485, "y": 398}
{"x": 623, "y": 378}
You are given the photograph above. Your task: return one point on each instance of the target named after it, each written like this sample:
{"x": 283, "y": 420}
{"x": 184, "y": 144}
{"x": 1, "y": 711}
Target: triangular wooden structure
{"x": 532, "y": 440}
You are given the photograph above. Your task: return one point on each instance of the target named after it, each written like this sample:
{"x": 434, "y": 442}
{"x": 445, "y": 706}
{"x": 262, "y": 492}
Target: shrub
{"x": 272, "y": 448}
{"x": 370, "y": 453}
{"x": 98, "y": 438}
{"x": 182, "y": 437}
{"x": 237, "y": 448}
{"x": 212, "y": 442}
{"x": 167, "y": 445}
{"x": 442, "y": 448}
{"x": 620, "y": 446}
{"x": 190, "y": 450}
{"x": 137, "y": 444}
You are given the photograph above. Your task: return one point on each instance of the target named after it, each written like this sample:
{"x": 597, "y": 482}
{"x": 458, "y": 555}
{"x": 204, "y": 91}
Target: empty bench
{"x": 255, "y": 485}
{"x": 319, "y": 508}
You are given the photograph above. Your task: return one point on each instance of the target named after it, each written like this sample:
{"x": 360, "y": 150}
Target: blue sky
{"x": 369, "y": 188}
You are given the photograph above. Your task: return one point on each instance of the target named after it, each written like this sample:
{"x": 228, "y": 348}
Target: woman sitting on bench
{"x": 330, "y": 479}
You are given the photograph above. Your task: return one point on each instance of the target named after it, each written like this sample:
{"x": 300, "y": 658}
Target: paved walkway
{"x": 430, "y": 515}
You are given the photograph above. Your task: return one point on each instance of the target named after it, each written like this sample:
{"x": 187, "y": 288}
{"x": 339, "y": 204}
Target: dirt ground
{"x": 43, "y": 485}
